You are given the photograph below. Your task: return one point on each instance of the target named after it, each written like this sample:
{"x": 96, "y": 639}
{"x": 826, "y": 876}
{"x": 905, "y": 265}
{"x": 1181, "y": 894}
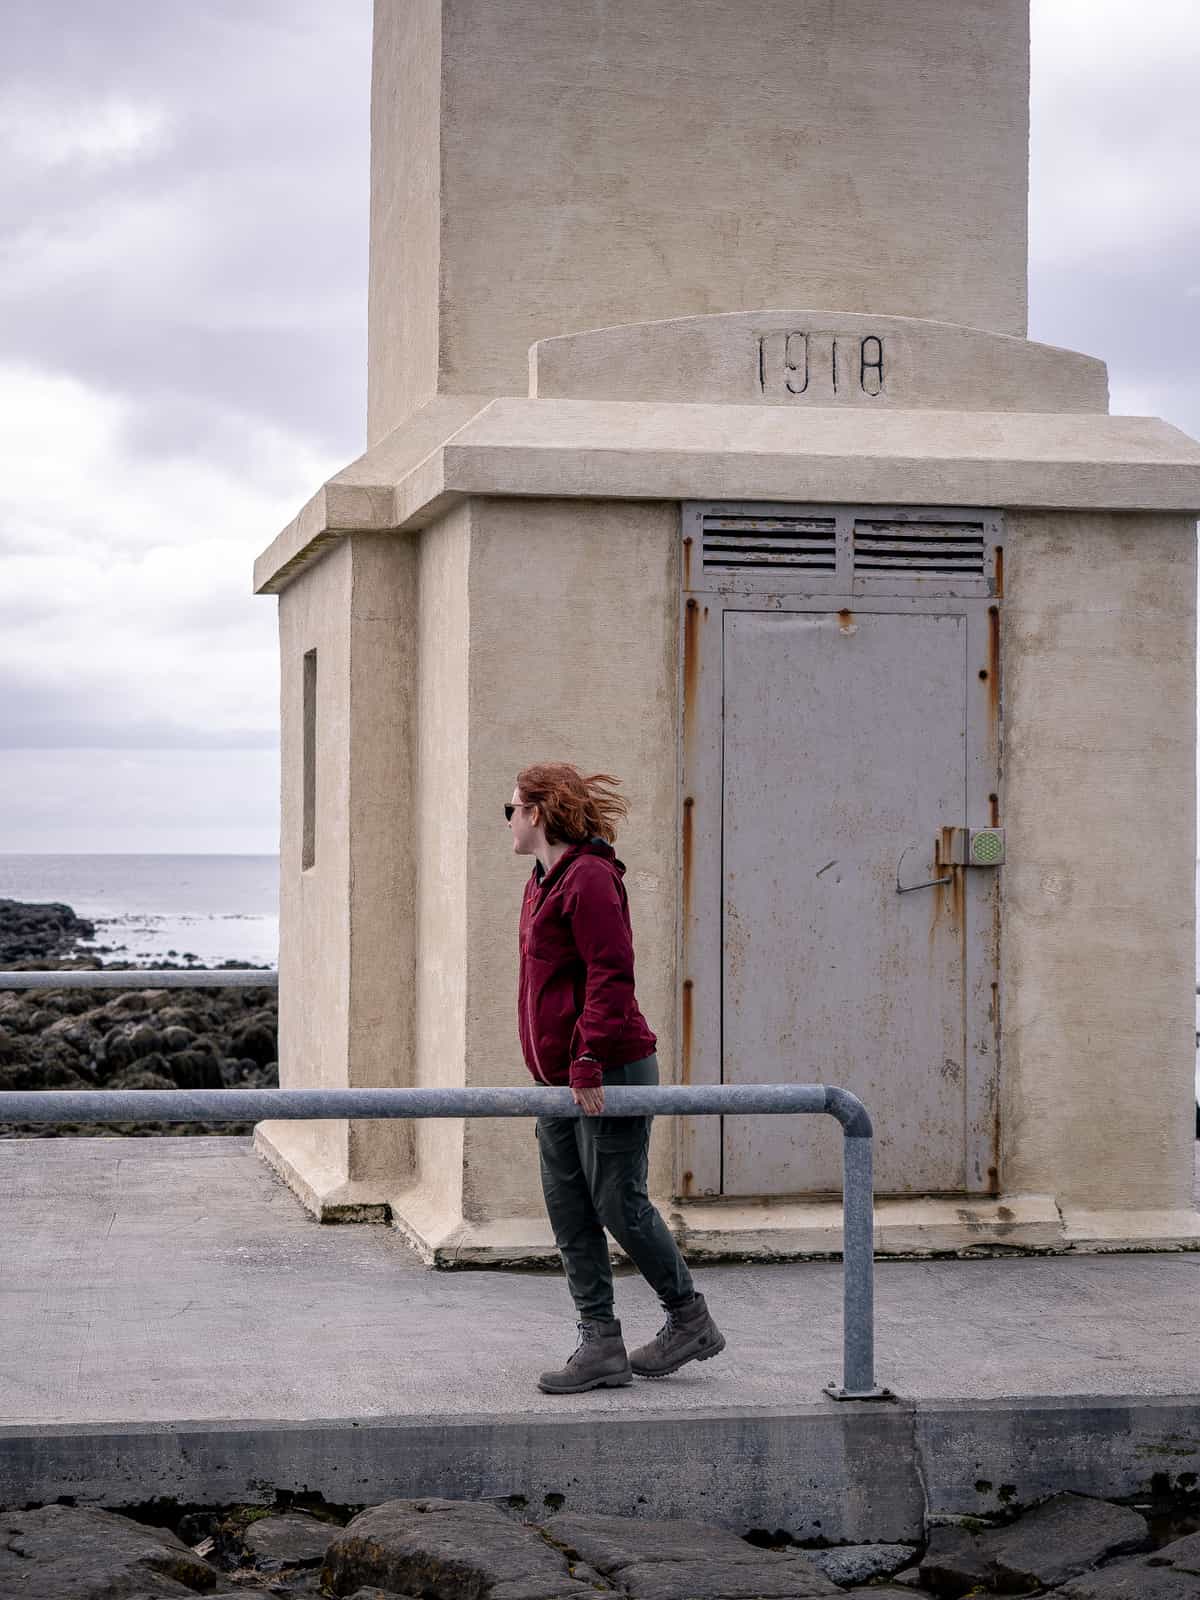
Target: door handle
{"x": 933, "y": 883}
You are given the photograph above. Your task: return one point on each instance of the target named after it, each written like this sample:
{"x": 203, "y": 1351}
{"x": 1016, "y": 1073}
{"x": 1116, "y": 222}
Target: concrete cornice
{"x": 633, "y": 450}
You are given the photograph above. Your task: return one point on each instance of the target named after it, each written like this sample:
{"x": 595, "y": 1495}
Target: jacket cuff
{"x": 586, "y": 1074}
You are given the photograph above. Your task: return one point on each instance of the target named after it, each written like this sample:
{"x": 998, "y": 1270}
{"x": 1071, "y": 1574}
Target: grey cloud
{"x": 40, "y": 715}
{"x": 255, "y": 205}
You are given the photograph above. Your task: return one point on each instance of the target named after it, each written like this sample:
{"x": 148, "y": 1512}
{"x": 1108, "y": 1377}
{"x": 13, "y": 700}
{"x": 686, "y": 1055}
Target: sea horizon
{"x": 152, "y": 906}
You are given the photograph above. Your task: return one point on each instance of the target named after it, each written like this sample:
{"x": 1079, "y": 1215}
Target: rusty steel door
{"x": 829, "y": 739}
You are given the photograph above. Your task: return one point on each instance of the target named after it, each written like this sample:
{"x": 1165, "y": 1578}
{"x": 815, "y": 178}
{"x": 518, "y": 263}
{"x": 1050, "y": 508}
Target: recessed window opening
{"x": 308, "y": 850}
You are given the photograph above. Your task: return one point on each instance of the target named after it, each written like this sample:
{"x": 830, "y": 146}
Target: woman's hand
{"x": 592, "y": 1100}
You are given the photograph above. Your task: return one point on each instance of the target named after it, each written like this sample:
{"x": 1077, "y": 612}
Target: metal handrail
{"x": 144, "y": 978}
{"x": 673, "y": 1100}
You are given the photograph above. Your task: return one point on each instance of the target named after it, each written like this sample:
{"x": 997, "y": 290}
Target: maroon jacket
{"x": 575, "y": 984}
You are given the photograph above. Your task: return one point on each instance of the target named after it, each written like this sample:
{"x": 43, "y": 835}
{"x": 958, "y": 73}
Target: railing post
{"x": 858, "y": 1252}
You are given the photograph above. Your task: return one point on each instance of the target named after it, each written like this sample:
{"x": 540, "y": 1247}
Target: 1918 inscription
{"x": 820, "y": 365}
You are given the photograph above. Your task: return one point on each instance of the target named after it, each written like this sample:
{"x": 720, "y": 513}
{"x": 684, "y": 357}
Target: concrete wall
{"x": 1098, "y": 942}
{"x": 314, "y": 906}
{"x": 574, "y": 611}
{"x": 440, "y": 825}
{"x": 617, "y": 162}
{"x": 347, "y": 926}
{"x": 382, "y": 836}
{"x": 403, "y": 295}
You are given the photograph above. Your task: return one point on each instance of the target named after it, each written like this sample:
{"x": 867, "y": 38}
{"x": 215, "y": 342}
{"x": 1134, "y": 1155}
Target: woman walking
{"x": 580, "y": 1026}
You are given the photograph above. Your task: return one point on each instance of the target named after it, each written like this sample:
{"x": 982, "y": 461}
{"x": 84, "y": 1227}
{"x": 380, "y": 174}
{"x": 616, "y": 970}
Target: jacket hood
{"x": 595, "y": 846}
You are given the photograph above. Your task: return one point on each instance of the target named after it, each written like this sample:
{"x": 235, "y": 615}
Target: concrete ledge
{"x": 636, "y": 450}
{"x": 290, "y": 1150}
{"x": 918, "y": 1226}
{"x": 838, "y": 1472}
{"x": 907, "y": 1229}
{"x": 1026, "y": 1224}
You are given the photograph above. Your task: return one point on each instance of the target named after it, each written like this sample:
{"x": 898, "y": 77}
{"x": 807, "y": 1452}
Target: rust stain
{"x": 994, "y": 1168}
{"x": 691, "y": 669}
{"x": 994, "y": 810}
{"x": 687, "y": 562}
{"x": 689, "y": 806}
{"x": 957, "y": 890}
{"x": 935, "y": 895}
{"x": 685, "y": 1029}
{"x": 688, "y": 1180}
{"x": 992, "y": 674}
{"x": 999, "y": 583}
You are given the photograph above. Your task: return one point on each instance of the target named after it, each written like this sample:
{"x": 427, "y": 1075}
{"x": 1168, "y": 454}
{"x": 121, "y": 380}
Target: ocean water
{"x": 156, "y": 907}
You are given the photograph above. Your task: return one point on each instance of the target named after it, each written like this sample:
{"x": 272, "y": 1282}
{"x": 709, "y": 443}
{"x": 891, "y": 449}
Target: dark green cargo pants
{"x": 594, "y": 1177}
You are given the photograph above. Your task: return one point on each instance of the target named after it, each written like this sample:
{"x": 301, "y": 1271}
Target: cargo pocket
{"x": 617, "y": 1134}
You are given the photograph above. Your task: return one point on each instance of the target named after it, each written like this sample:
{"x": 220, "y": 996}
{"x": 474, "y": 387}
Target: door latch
{"x": 971, "y": 847}
{"x": 960, "y": 847}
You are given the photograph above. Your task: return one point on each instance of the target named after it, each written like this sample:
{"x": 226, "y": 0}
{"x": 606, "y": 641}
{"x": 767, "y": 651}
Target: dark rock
{"x": 860, "y": 1563}
{"x": 141, "y": 1076}
{"x": 195, "y": 1069}
{"x": 1169, "y": 1573}
{"x": 954, "y": 1562}
{"x": 131, "y": 1000}
{"x": 145, "y": 1040}
{"x": 889, "y": 1591}
{"x": 256, "y": 1041}
{"x": 379, "y": 1594}
{"x": 56, "y": 1551}
{"x": 1057, "y": 1540}
{"x": 176, "y": 1037}
{"x": 290, "y": 1539}
{"x": 32, "y": 933}
{"x": 611, "y": 1543}
{"x": 769, "y": 1575}
{"x": 115, "y": 1048}
{"x": 454, "y": 1550}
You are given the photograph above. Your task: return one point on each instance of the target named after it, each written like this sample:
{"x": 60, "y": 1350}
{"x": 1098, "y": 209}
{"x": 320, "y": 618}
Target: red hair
{"x": 572, "y": 807}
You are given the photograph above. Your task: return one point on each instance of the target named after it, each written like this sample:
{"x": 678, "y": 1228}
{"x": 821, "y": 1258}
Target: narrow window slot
{"x": 308, "y": 852}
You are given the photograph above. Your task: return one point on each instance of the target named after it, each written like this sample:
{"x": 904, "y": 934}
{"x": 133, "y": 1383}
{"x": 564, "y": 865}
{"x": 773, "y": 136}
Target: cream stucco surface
{"x": 1098, "y": 940}
{"x": 314, "y": 905}
{"x": 440, "y": 824}
{"x": 538, "y": 169}
{"x": 573, "y": 617}
{"x": 819, "y": 358}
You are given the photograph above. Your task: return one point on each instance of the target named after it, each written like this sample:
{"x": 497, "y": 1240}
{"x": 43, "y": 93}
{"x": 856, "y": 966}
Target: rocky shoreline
{"x": 1070, "y": 1545}
{"x": 123, "y": 1038}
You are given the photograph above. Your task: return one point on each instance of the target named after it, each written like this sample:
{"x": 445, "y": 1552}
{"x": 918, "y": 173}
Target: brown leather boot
{"x": 688, "y": 1334}
{"x": 598, "y": 1360}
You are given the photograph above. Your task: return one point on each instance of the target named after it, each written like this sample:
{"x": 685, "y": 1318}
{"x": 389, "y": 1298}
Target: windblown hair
{"x": 572, "y": 807}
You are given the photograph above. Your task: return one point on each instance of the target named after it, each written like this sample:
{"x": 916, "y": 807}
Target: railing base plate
{"x": 837, "y": 1391}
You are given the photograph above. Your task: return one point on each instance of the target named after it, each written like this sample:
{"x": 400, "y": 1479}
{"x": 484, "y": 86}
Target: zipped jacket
{"x": 575, "y": 992}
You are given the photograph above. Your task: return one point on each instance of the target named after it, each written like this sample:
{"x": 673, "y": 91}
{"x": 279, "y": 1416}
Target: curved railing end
{"x": 850, "y": 1112}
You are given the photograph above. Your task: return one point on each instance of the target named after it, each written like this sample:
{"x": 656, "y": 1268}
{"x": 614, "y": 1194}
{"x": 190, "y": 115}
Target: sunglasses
{"x": 524, "y": 806}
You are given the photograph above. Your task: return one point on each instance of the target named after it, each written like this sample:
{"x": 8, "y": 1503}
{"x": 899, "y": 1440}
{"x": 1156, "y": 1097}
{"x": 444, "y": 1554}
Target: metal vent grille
{"x": 919, "y": 549}
{"x": 734, "y": 542}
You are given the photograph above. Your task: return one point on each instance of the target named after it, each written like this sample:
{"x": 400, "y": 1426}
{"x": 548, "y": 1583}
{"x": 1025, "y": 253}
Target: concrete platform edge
{"x": 840, "y": 1473}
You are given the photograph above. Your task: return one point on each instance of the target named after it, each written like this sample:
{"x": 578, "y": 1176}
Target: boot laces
{"x": 586, "y": 1332}
{"x": 670, "y": 1326}
{"x": 673, "y": 1323}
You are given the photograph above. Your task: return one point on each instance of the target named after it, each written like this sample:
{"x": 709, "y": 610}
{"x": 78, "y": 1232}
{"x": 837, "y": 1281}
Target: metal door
{"x": 827, "y": 745}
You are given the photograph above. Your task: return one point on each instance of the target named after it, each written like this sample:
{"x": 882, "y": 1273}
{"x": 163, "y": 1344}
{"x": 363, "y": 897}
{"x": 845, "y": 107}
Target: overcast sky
{"x": 183, "y": 216}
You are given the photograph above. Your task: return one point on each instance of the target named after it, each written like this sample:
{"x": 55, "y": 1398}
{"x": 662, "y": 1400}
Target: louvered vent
{"x": 734, "y": 542}
{"x": 919, "y": 549}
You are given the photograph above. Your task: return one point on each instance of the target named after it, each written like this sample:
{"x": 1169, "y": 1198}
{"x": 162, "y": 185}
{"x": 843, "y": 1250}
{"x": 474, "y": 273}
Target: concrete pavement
{"x": 175, "y": 1323}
